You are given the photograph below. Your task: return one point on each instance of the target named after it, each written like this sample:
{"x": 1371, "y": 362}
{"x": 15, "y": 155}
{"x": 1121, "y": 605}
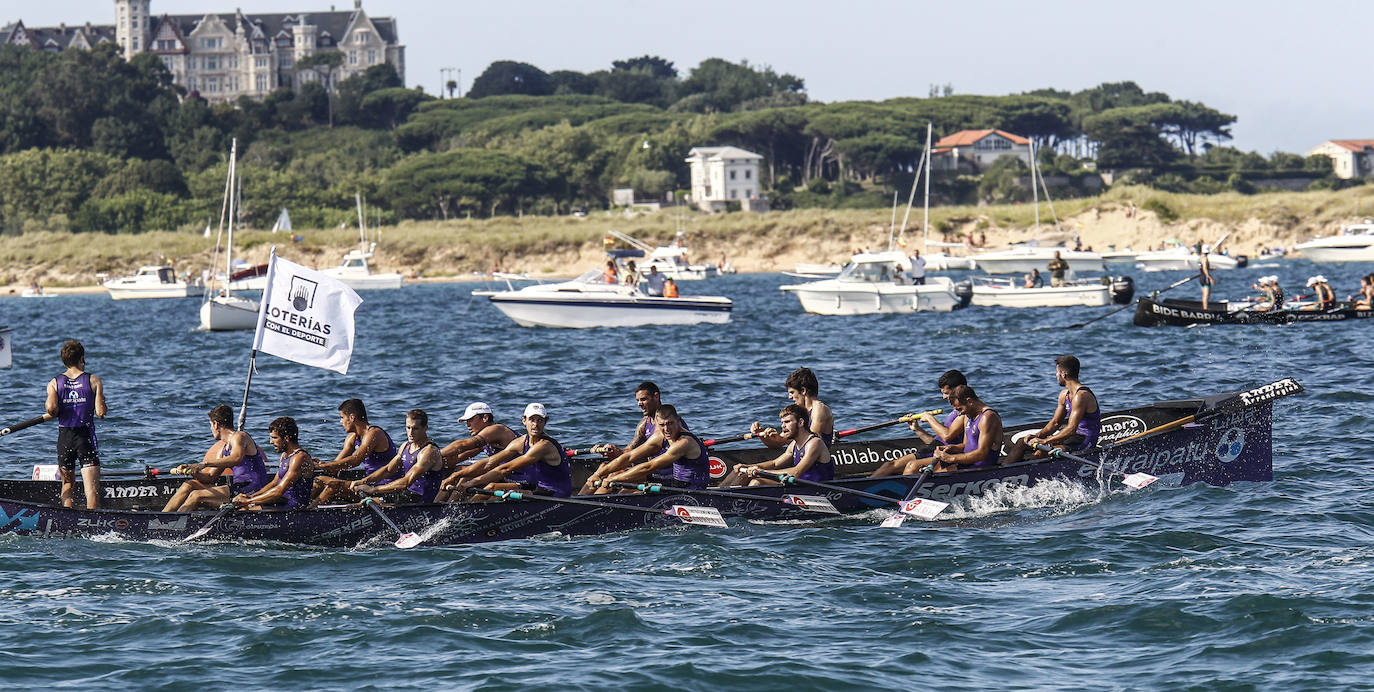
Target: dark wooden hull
{"x": 1150, "y": 313}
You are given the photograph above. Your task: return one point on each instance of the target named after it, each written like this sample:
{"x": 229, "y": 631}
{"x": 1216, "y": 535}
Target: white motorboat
{"x": 38, "y": 292}
{"x": 869, "y": 285}
{"x": 1008, "y": 293}
{"x": 814, "y": 271}
{"x": 1182, "y": 258}
{"x": 248, "y": 278}
{"x": 944, "y": 261}
{"x": 588, "y": 301}
{"x": 355, "y": 272}
{"x": 1355, "y": 243}
{"x": 1023, "y": 258}
{"x": 224, "y": 311}
{"x": 152, "y": 281}
{"x": 1123, "y": 256}
{"x": 671, "y": 260}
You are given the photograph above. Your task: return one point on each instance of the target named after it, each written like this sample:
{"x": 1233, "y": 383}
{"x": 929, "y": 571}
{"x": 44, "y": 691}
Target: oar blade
{"x": 923, "y": 508}
{"x": 409, "y": 540}
{"x": 894, "y": 521}
{"x": 812, "y": 503}
{"x": 1139, "y": 480}
{"x": 705, "y": 516}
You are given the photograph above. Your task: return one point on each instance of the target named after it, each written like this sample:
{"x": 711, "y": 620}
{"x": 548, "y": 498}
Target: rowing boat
{"x": 1149, "y": 313}
{"x": 1216, "y": 440}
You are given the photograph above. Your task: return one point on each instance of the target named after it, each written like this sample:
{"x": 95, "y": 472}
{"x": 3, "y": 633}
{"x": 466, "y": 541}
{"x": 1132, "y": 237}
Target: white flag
{"x": 6, "y": 358}
{"x": 306, "y": 316}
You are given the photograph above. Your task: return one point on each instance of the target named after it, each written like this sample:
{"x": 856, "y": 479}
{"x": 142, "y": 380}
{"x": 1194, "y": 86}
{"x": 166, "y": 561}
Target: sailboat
{"x": 935, "y": 261}
{"x": 354, "y": 270}
{"x": 223, "y": 310}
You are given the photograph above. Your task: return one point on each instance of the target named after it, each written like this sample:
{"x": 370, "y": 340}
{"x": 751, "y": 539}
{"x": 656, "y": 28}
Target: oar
{"x": 724, "y": 440}
{"x": 813, "y": 503}
{"x": 1134, "y": 480}
{"x": 1235, "y": 402}
{"x": 839, "y": 433}
{"x": 926, "y": 507}
{"x": 406, "y": 540}
{"x": 916, "y": 506}
{"x": 26, "y": 424}
{"x": 223, "y": 510}
{"x": 687, "y": 514}
{"x": 1173, "y": 285}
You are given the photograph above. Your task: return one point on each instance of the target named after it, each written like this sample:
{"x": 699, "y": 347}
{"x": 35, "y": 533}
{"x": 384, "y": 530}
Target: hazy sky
{"x": 1294, "y": 73}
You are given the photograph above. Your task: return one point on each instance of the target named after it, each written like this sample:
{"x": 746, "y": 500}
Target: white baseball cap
{"x": 1311, "y": 280}
{"x": 475, "y": 409}
{"x": 536, "y": 410}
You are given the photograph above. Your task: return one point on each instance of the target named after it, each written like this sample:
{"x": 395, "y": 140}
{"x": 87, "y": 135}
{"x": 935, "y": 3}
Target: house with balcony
{"x": 972, "y": 151}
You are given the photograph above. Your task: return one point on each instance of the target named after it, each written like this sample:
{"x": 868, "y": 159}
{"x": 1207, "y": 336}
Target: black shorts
{"x": 1074, "y": 443}
{"x": 1205, "y": 281}
{"x": 77, "y": 445}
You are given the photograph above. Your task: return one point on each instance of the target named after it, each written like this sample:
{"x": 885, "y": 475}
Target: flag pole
{"x": 257, "y": 335}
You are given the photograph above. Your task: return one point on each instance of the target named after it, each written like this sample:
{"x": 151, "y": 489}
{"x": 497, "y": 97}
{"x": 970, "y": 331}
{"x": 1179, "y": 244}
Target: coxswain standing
{"x": 648, "y": 398}
{"x": 681, "y": 456}
{"x": 534, "y": 462}
{"x": 807, "y": 456}
{"x": 290, "y": 488}
{"x": 237, "y": 455}
{"x": 76, "y": 398}
{"x": 1205, "y": 273}
{"x": 364, "y": 444}
{"x": 418, "y": 467}
{"x": 950, "y": 432}
{"x": 802, "y": 387}
{"x": 487, "y": 436}
{"x": 1077, "y": 418}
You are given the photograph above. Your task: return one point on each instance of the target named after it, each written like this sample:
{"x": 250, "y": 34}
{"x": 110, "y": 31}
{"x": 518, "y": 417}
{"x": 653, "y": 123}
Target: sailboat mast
{"x": 233, "y": 208}
{"x": 925, "y": 239}
{"x": 362, "y": 225}
{"x": 1035, "y": 191}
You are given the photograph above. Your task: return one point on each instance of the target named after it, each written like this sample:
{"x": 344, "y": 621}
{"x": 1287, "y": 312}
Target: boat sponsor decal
{"x": 113, "y": 492}
{"x": 947, "y": 491}
{"x": 1186, "y": 314}
{"x": 156, "y": 524}
{"x": 1230, "y": 446}
{"x": 98, "y": 523}
{"x": 363, "y": 522}
{"x": 1120, "y": 427}
{"x": 27, "y": 520}
{"x": 45, "y": 472}
{"x": 868, "y": 455}
{"x": 716, "y": 467}
{"x": 1270, "y": 391}
{"x": 531, "y": 518}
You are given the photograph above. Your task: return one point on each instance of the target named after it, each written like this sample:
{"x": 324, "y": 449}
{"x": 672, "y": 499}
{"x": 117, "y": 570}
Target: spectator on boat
{"x": 1325, "y": 298}
{"x": 1077, "y": 418}
{"x": 1057, "y": 268}
{"x": 418, "y": 468}
{"x": 918, "y": 269}
{"x": 802, "y": 387}
{"x": 669, "y": 288}
{"x": 648, "y": 398}
{"x": 1205, "y": 274}
{"x": 290, "y": 488}
{"x": 364, "y": 444}
{"x": 1034, "y": 280}
{"x": 534, "y": 462}
{"x": 610, "y": 275}
{"x": 487, "y": 436}
{"x": 807, "y": 455}
{"x": 234, "y": 453}
{"x": 680, "y": 460}
{"x": 631, "y": 276}
{"x": 76, "y": 398}
{"x": 951, "y": 431}
{"x": 655, "y": 282}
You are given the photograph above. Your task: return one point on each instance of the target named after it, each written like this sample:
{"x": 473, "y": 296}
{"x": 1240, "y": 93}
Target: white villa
{"x": 972, "y": 151}
{"x": 1351, "y": 158}
{"x": 721, "y": 175}
{"x": 225, "y": 56}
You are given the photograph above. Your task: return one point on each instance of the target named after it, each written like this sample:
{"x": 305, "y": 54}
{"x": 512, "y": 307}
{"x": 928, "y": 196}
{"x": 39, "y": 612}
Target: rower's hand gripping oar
{"x": 687, "y": 514}
{"x": 811, "y": 503}
{"x": 26, "y": 424}
{"x": 223, "y": 510}
{"x": 1173, "y": 285}
{"x": 1136, "y": 480}
{"x": 406, "y": 539}
{"x": 928, "y": 508}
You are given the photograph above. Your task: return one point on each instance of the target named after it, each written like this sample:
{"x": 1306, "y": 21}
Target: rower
{"x": 533, "y": 462}
{"x": 680, "y": 461}
{"x": 419, "y": 465}
{"x": 1272, "y": 291}
{"x": 363, "y": 443}
{"x": 648, "y": 398}
{"x": 235, "y": 453}
{"x": 487, "y": 436}
{"x": 1366, "y": 296}
{"x": 1077, "y": 418}
{"x": 1325, "y": 297}
{"x": 807, "y": 456}
{"x": 76, "y": 398}
{"x": 982, "y": 441}
{"x": 802, "y": 387}
{"x": 290, "y": 488}
{"x": 951, "y": 432}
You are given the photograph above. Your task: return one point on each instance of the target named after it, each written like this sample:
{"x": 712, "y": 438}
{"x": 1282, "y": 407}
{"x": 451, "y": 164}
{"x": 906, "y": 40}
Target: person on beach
{"x": 1057, "y": 268}
{"x": 533, "y": 462}
{"x": 807, "y": 456}
{"x": 673, "y": 457}
{"x": 1205, "y": 274}
{"x": 950, "y": 432}
{"x": 76, "y": 398}
{"x": 363, "y": 444}
{"x": 418, "y": 468}
{"x": 802, "y": 387}
{"x": 487, "y": 436}
{"x": 290, "y": 487}
{"x": 1077, "y": 418}
{"x": 648, "y": 398}
{"x": 233, "y": 452}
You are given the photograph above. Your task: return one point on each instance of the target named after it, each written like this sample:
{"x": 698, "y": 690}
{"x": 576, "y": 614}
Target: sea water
{"x": 1256, "y": 585}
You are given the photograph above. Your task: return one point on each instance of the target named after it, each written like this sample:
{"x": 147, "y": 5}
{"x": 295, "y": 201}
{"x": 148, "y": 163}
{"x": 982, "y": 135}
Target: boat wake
{"x": 1060, "y": 496}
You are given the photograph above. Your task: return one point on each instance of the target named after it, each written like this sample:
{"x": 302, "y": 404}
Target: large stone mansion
{"x": 225, "y": 56}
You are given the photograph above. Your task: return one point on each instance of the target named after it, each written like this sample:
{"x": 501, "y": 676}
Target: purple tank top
{"x": 1089, "y": 427}
{"x": 818, "y": 472}
{"x": 75, "y": 401}
{"x": 250, "y": 474}
{"x": 949, "y": 420}
{"x": 556, "y": 480}
{"x": 663, "y": 474}
{"x": 971, "y": 441}
{"x": 427, "y": 485}
{"x": 376, "y": 460}
{"x": 827, "y": 438}
{"x": 297, "y": 494}
{"x": 696, "y": 472}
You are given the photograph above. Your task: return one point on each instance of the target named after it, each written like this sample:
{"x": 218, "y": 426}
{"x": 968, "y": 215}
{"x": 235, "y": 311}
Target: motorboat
{"x": 1093, "y": 292}
{"x": 1183, "y": 258}
{"x": 942, "y": 261}
{"x": 357, "y": 275}
{"x": 37, "y": 292}
{"x": 874, "y": 283}
{"x": 1023, "y": 258}
{"x": 671, "y": 260}
{"x": 152, "y": 281}
{"x": 804, "y": 270}
{"x": 589, "y": 301}
{"x": 1355, "y": 243}
{"x": 223, "y": 311}
{"x": 248, "y": 278}
{"x": 1123, "y": 256}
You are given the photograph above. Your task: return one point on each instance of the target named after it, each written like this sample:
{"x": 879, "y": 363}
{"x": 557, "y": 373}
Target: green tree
{"x": 510, "y": 77}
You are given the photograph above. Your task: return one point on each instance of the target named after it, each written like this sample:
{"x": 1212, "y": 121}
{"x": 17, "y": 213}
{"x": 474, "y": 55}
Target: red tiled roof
{"x": 966, "y": 138}
{"x": 1354, "y": 144}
